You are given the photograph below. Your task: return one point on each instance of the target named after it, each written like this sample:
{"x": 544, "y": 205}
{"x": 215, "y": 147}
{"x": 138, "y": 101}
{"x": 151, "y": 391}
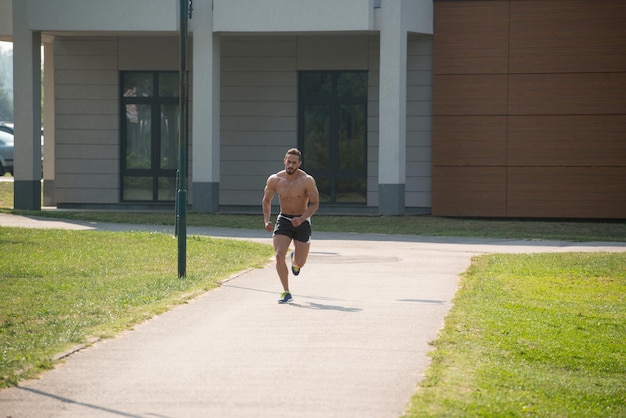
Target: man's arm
{"x": 268, "y": 195}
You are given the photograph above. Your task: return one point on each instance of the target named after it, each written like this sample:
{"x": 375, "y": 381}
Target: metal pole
{"x": 181, "y": 194}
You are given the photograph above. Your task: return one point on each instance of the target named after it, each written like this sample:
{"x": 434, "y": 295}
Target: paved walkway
{"x": 353, "y": 344}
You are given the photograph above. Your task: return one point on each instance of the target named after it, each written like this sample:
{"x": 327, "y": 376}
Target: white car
{"x": 6, "y": 153}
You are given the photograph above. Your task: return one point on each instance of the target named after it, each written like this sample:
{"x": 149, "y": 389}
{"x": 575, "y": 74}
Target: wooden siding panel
{"x": 105, "y": 166}
{"x": 373, "y": 140}
{"x": 418, "y": 184}
{"x": 86, "y": 46}
{"x": 252, "y": 47}
{"x": 243, "y": 197}
{"x": 149, "y": 53}
{"x": 259, "y": 94}
{"x": 469, "y": 191}
{"x": 267, "y": 78}
{"x": 469, "y": 140}
{"x": 259, "y": 114}
{"x": 469, "y": 95}
{"x": 87, "y": 91}
{"x": 567, "y": 140}
{"x": 471, "y": 37}
{"x": 102, "y": 137}
{"x": 550, "y": 112}
{"x": 85, "y": 106}
{"x": 73, "y": 153}
{"x": 328, "y": 52}
{"x": 259, "y": 123}
{"x": 278, "y": 109}
{"x": 567, "y": 192}
{"x": 248, "y": 138}
{"x": 87, "y": 77}
{"x": 86, "y": 121}
{"x": 563, "y": 94}
{"x": 91, "y": 62}
{"x": 89, "y": 195}
{"x": 253, "y": 64}
{"x": 96, "y": 180}
{"x": 572, "y": 36}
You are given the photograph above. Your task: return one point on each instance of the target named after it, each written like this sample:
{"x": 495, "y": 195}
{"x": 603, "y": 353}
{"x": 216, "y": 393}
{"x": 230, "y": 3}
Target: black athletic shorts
{"x": 301, "y": 233}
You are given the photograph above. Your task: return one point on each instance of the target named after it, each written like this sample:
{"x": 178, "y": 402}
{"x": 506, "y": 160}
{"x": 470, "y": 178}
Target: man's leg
{"x": 301, "y": 252}
{"x": 281, "y": 245}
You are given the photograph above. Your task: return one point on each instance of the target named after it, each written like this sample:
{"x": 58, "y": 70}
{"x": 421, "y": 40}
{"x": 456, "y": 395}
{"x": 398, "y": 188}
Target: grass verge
{"x": 527, "y": 229}
{"x": 532, "y": 335}
{"x": 60, "y": 288}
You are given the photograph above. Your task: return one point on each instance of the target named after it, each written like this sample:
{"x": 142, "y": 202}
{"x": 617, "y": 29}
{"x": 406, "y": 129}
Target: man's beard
{"x": 290, "y": 170}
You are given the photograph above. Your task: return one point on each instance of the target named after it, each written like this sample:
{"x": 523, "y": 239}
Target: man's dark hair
{"x": 295, "y": 151}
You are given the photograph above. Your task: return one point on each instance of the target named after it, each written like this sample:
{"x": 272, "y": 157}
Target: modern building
{"x": 493, "y": 108}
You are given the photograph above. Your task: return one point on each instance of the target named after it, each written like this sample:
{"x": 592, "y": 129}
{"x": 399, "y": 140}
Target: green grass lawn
{"x": 61, "y": 288}
{"x": 541, "y": 335}
{"x": 529, "y": 335}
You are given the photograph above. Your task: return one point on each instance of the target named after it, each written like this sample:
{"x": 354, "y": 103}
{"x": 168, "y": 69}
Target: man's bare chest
{"x": 291, "y": 190}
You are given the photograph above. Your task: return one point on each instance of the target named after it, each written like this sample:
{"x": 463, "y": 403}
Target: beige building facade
{"x": 256, "y": 72}
{"x": 479, "y": 108}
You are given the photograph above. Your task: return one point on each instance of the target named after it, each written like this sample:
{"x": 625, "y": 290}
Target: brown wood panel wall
{"x": 545, "y": 137}
{"x": 566, "y": 192}
{"x": 577, "y": 141}
{"x": 559, "y": 36}
{"x": 471, "y": 37}
{"x": 472, "y": 94}
{"x": 567, "y": 94}
{"x": 470, "y": 140}
{"x": 470, "y": 191}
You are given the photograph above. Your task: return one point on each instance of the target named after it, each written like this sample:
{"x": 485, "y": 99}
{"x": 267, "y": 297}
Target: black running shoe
{"x": 294, "y": 269}
{"x": 285, "y": 297}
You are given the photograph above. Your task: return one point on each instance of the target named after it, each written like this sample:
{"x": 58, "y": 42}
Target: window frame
{"x": 334, "y": 173}
{"x": 155, "y": 172}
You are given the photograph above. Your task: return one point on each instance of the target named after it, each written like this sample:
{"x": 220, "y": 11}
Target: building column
{"x": 392, "y": 112}
{"x": 48, "y": 125}
{"x": 27, "y": 110}
{"x": 205, "y": 111}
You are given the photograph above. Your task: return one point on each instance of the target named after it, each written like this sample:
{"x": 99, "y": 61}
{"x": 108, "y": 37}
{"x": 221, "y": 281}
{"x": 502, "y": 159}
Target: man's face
{"x": 292, "y": 163}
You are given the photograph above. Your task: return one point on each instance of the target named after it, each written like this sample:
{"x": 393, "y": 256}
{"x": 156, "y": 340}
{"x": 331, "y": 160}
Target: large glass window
{"x": 333, "y": 133}
{"x": 149, "y": 129}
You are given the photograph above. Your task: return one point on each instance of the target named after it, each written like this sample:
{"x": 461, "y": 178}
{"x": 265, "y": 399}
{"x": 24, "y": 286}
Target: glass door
{"x": 333, "y": 133}
{"x": 149, "y": 136}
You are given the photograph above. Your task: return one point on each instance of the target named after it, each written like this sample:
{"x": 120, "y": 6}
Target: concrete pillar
{"x": 205, "y": 111}
{"x": 48, "y": 125}
{"x": 392, "y": 112}
{"x": 27, "y": 110}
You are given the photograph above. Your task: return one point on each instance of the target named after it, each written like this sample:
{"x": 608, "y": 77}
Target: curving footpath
{"x": 353, "y": 344}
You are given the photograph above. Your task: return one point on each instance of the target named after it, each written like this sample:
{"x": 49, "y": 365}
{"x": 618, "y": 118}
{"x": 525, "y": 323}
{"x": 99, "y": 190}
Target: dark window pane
{"x": 138, "y": 85}
{"x": 334, "y": 133}
{"x": 138, "y": 136}
{"x": 167, "y": 188}
{"x": 137, "y": 188}
{"x": 169, "y": 136}
{"x": 168, "y": 85}
{"x": 352, "y": 126}
{"x": 150, "y": 126}
{"x": 352, "y": 84}
{"x": 316, "y": 84}
{"x": 352, "y": 190}
{"x": 316, "y": 137}
{"x": 323, "y": 185}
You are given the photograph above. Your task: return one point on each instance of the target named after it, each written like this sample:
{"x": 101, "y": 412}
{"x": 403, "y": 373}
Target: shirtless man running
{"x": 299, "y": 200}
